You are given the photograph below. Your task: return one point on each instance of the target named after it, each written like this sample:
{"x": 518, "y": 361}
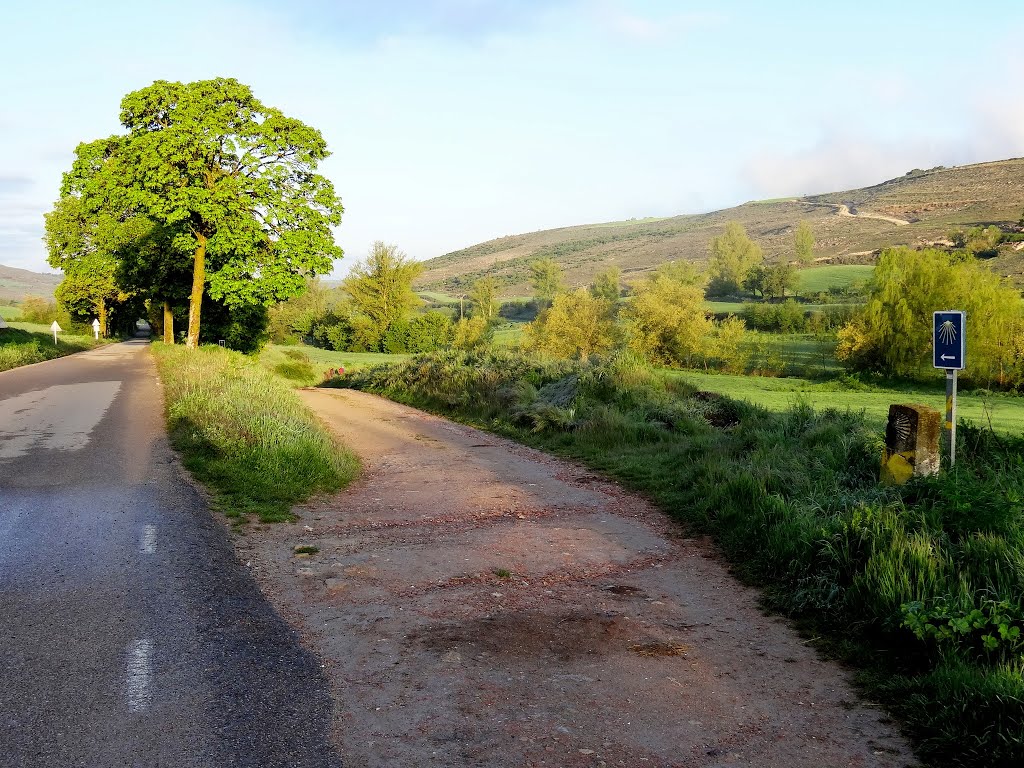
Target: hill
{"x": 919, "y": 208}
{"x": 17, "y": 283}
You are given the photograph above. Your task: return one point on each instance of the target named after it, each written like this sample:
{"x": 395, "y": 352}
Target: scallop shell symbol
{"x": 947, "y": 332}
{"x": 902, "y": 426}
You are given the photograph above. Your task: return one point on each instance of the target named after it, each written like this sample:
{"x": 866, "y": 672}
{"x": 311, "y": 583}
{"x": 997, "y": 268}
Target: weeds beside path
{"x": 244, "y": 433}
{"x": 477, "y": 602}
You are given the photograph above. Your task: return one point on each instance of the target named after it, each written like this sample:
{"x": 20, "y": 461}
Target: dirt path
{"x": 478, "y": 603}
{"x": 844, "y": 210}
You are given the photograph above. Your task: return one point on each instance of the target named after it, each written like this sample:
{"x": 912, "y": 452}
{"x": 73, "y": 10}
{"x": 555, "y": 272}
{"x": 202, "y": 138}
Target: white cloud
{"x": 648, "y": 28}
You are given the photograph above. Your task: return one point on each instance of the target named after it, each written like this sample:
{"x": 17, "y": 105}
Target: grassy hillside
{"x": 18, "y": 283}
{"x": 845, "y": 227}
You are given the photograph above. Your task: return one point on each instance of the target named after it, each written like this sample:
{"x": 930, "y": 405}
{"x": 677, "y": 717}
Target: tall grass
{"x": 245, "y": 434}
{"x": 19, "y": 346}
{"x": 921, "y": 586}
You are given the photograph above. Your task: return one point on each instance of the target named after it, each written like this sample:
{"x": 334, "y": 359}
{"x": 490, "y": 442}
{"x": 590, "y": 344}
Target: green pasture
{"x": 1005, "y": 413}
{"x": 509, "y": 335}
{"x": 9, "y": 312}
{"x": 817, "y": 279}
{"x": 306, "y": 366}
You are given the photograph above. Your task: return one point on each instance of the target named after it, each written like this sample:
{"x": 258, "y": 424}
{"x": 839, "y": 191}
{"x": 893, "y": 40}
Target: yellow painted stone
{"x": 897, "y": 468}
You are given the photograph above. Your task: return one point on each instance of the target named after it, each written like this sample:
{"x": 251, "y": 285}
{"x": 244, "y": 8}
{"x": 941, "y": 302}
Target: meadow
{"x": 842, "y": 276}
{"x": 8, "y": 312}
{"x": 1000, "y": 412}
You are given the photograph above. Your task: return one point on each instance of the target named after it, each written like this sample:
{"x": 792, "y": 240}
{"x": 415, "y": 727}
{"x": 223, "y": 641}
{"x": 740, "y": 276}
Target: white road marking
{"x": 58, "y": 418}
{"x": 139, "y": 674}
{"x": 148, "y": 544}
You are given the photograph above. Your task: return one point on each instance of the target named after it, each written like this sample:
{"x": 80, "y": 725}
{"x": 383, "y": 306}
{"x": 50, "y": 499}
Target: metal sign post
{"x": 949, "y": 348}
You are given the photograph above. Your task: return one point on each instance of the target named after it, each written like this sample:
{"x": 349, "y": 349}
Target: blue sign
{"x": 949, "y": 339}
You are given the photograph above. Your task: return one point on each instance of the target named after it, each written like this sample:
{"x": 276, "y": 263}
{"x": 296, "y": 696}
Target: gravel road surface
{"x": 129, "y": 633}
{"x": 478, "y": 603}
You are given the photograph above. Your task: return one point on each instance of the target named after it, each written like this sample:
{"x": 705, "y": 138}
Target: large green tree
{"x": 84, "y": 242}
{"x": 380, "y": 288}
{"x": 733, "y": 255}
{"x": 233, "y": 178}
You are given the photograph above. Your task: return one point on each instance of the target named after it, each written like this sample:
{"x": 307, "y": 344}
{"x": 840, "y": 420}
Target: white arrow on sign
{"x": 96, "y": 328}
{"x": 947, "y": 357}
{"x": 55, "y": 328}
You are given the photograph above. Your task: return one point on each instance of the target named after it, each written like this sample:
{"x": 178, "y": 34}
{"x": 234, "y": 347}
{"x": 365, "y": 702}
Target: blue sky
{"x": 455, "y": 121}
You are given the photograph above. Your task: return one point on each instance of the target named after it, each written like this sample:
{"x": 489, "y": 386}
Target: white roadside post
{"x": 56, "y": 329}
{"x": 96, "y": 328}
{"x": 949, "y": 348}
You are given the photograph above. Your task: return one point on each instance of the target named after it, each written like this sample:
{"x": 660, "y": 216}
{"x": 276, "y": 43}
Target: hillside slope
{"x": 915, "y": 209}
{"x": 18, "y": 283}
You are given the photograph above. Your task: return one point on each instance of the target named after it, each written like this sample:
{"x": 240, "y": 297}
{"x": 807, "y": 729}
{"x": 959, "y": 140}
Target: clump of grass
{"x": 503, "y": 573}
{"x": 306, "y": 549}
{"x": 921, "y": 586}
{"x": 245, "y": 434}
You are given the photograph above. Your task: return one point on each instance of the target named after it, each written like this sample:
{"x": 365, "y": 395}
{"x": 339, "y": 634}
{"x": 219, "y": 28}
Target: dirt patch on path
{"x": 478, "y": 603}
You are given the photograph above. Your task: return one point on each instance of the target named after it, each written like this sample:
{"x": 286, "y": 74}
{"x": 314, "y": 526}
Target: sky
{"x": 451, "y": 122}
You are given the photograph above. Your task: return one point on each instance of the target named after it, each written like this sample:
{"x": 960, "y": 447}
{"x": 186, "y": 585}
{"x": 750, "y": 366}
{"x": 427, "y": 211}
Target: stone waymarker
{"x": 911, "y": 443}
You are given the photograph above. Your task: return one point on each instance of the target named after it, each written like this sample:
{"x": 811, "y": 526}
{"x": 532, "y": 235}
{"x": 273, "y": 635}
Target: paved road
{"x": 129, "y": 634}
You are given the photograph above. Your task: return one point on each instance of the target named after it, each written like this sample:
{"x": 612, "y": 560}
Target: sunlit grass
{"x": 27, "y": 343}
{"x": 243, "y": 432}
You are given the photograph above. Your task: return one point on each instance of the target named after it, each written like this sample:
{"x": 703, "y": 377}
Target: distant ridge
{"x": 919, "y": 208}
{"x": 18, "y": 283}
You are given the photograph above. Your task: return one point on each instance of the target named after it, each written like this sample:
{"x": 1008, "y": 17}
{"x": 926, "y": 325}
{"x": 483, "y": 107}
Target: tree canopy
{"x": 666, "y": 321}
{"x": 230, "y": 180}
{"x": 733, "y": 255}
{"x": 803, "y": 243}
{"x": 546, "y": 276}
{"x": 380, "y": 286}
{"x": 894, "y": 332}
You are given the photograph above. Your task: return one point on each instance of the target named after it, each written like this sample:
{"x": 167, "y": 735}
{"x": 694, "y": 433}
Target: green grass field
{"x": 9, "y": 313}
{"x": 305, "y": 366}
{"x": 819, "y": 279}
{"x": 509, "y": 335}
{"x": 1004, "y": 412}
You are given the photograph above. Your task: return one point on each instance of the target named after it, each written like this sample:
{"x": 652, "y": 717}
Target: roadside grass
{"x": 1003, "y": 413}
{"x": 919, "y": 586}
{"x": 27, "y": 343}
{"x": 242, "y": 432}
{"x": 819, "y": 279}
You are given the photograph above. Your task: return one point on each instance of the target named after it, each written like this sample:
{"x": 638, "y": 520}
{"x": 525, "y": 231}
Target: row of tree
{"x": 209, "y": 201}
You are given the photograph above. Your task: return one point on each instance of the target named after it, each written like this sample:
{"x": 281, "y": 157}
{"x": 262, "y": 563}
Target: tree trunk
{"x": 195, "y": 302}
{"x": 168, "y": 324}
{"x": 101, "y": 305}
